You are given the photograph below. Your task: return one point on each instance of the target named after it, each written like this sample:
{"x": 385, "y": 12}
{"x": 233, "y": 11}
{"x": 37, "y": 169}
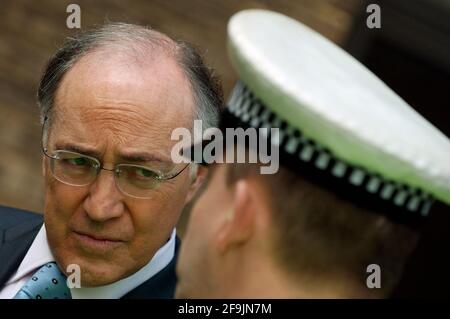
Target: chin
{"x": 93, "y": 272}
{"x": 95, "y": 279}
{"x": 94, "y": 275}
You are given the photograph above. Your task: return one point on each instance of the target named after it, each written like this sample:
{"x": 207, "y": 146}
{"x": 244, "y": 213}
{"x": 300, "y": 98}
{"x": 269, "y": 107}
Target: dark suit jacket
{"x": 18, "y": 230}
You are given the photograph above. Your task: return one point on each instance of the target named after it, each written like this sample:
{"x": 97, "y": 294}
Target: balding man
{"x": 109, "y": 101}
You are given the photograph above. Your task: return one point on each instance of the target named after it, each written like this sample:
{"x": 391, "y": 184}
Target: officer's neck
{"x": 263, "y": 277}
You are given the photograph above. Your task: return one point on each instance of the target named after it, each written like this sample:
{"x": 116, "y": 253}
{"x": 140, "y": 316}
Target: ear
{"x": 197, "y": 181}
{"x": 238, "y": 225}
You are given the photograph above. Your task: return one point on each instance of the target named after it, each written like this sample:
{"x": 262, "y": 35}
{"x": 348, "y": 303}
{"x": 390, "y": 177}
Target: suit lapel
{"x": 14, "y": 245}
{"x": 160, "y": 286}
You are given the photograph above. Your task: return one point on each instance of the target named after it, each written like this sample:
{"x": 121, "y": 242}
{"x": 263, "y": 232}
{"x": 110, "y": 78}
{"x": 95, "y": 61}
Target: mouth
{"x": 95, "y": 242}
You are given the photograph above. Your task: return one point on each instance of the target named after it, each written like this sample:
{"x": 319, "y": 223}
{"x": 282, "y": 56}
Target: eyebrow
{"x": 85, "y": 150}
{"x": 134, "y": 157}
{"x": 143, "y": 157}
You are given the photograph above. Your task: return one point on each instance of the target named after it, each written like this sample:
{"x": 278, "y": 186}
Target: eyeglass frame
{"x": 100, "y": 166}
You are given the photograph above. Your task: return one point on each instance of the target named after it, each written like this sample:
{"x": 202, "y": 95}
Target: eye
{"x": 145, "y": 173}
{"x": 77, "y": 161}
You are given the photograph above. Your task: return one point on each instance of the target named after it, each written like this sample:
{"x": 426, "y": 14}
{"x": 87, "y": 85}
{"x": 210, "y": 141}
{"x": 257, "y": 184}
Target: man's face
{"x": 200, "y": 270}
{"x": 120, "y": 111}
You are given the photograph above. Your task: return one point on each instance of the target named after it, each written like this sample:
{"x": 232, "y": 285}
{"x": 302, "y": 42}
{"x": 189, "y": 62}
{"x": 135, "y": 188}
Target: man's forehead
{"x": 124, "y": 89}
{"x": 159, "y": 81}
{"x": 94, "y": 136}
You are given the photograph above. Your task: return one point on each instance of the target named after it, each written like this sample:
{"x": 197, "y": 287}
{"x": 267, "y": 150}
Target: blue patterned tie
{"x": 47, "y": 283}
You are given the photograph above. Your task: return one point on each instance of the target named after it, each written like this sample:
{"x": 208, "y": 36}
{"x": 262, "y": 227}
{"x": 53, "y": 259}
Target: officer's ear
{"x": 238, "y": 224}
{"x": 197, "y": 175}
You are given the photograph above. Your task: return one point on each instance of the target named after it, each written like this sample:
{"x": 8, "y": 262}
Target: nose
{"x": 105, "y": 200}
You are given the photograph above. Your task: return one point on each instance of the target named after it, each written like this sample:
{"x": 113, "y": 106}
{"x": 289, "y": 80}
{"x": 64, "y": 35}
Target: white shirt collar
{"x": 40, "y": 254}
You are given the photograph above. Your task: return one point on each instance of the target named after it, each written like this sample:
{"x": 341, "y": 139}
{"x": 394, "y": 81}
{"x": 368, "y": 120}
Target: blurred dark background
{"x": 410, "y": 52}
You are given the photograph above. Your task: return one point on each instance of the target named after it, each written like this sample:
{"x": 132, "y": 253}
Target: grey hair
{"x": 138, "y": 39}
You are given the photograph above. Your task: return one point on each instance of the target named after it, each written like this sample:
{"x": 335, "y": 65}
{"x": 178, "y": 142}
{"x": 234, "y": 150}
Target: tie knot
{"x": 46, "y": 283}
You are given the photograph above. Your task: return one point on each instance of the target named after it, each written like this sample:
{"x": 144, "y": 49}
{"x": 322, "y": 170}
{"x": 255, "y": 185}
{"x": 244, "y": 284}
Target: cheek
{"x": 195, "y": 264}
{"x": 207, "y": 217}
{"x": 154, "y": 218}
{"x": 201, "y": 227}
{"x": 61, "y": 202}
{"x": 212, "y": 202}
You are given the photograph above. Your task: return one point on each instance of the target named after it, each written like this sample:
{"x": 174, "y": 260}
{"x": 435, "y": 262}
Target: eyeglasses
{"x": 75, "y": 169}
